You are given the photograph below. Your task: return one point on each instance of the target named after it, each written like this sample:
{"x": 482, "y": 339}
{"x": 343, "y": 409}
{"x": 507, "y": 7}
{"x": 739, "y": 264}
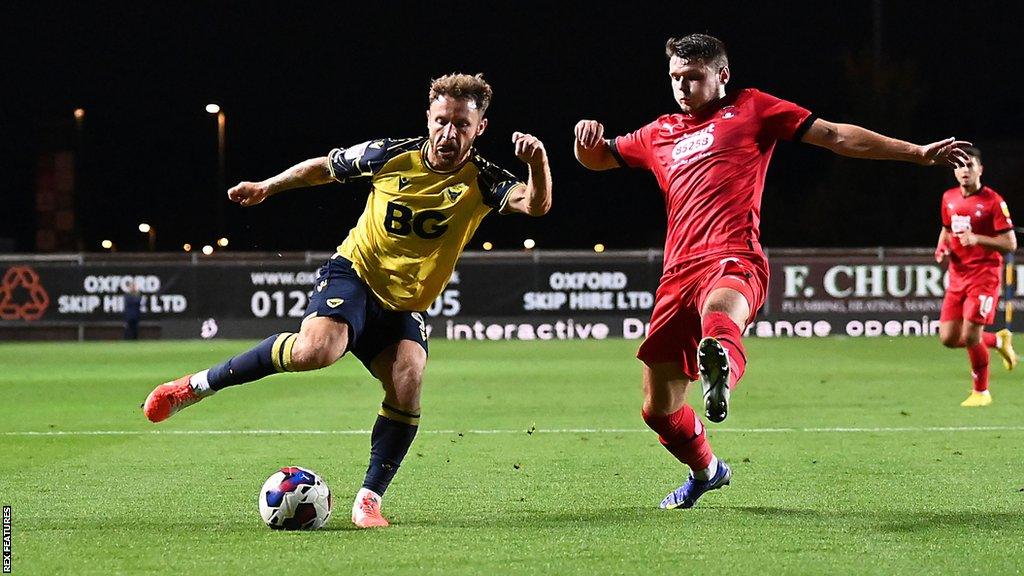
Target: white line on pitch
{"x": 511, "y": 431}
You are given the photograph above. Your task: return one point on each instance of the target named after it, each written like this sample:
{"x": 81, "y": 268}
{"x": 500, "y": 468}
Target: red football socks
{"x": 988, "y": 339}
{"x": 978, "y": 353}
{"x": 682, "y": 434}
{"x": 719, "y": 326}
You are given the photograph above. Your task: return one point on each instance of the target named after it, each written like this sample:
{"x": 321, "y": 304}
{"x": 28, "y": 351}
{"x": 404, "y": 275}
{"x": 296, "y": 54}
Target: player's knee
{"x": 655, "y": 421}
{"x": 971, "y": 339}
{"x": 408, "y": 382}
{"x": 951, "y": 340}
{"x": 313, "y": 351}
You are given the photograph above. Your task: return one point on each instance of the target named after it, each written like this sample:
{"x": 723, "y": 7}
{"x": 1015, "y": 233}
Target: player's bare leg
{"x": 681, "y": 433}
{"x": 720, "y": 354}
{"x": 319, "y": 343}
{"x": 400, "y": 370}
{"x": 951, "y": 335}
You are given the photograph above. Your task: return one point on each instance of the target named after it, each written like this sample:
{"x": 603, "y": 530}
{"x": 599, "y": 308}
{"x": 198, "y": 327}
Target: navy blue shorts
{"x": 340, "y": 294}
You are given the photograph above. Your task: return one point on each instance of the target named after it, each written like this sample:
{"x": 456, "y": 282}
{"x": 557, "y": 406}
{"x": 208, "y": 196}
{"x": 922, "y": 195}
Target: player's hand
{"x": 588, "y": 133}
{"x": 528, "y": 148}
{"x": 940, "y": 254}
{"x": 949, "y": 151}
{"x": 967, "y": 238}
{"x": 248, "y": 193}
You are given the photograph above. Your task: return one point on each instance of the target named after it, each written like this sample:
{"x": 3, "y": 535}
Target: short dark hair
{"x": 973, "y": 153}
{"x": 707, "y": 49}
{"x": 464, "y": 86}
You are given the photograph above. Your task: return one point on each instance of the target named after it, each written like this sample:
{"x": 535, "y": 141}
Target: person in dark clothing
{"x": 132, "y": 312}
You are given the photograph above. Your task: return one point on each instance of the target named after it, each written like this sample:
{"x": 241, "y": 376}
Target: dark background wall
{"x": 298, "y": 80}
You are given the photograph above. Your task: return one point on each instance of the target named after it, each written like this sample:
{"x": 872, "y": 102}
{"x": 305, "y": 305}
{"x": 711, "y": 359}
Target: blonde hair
{"x": 473, "y": 88}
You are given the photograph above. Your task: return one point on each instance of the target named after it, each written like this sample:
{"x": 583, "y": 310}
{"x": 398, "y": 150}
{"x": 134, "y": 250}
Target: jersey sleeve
{"x": 366, "y": 159}
{"x": 944, "y": 207}
{"x": 782, "y": 119}
{"x": 495, "y": 183}
{"x": 633, "y": 149}
{"x": 1001, "y": 221}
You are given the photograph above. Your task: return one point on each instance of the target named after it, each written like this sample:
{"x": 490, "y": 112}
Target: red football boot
{"x": 366, "y": 510}
{"x": 166, "y": 399}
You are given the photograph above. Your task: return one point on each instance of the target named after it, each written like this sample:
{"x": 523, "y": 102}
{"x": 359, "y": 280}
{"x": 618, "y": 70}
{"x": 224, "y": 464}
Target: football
{"x": 294, "y": 498}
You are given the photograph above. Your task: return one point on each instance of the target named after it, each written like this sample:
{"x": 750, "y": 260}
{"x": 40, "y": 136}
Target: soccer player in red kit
{"x": 710, "y": 162}
{"x": 976, "y": 229}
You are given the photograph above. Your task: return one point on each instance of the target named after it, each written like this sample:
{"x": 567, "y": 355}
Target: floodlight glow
{"x": 207, "y": 249}
{"x": 107, "y": 244}
{"x": 488, "y": 245}
{"x": 187, "y": 247}
{"x": 598, "y": 248}
{"x": 79, "y": 113}
{"x": 212, "y": 108}
{"x": 529, "y": 243}
{"x": 223, "y": 242}
{"x": 145, "y": 228}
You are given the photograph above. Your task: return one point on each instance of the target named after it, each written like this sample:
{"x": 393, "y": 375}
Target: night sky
{"x": 296, "y": 82}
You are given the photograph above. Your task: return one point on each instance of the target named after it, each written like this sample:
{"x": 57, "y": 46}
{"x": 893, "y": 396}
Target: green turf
{"x": 802, "y": 501}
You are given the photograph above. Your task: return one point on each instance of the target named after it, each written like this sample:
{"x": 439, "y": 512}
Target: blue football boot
{"x": 686, "y": 495}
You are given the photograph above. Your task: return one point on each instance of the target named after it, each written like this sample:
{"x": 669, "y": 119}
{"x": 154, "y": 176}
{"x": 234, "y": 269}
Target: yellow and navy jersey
{"x": 417, "y": 220}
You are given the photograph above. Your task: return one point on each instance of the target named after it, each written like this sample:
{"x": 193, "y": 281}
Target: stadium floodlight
{"x": 488, "y": 245}
{"x": 222, "y": 242}
{"x": 79, "y": 114}
{"x": 598, "y": 248}
{"x": 207, "y": 249}
{"x": 187, "y": 247}
{"x": 529, "y": 243}
{"x": 107, "y": 244}
{"x": 150, "y": 233}
{"x": 213, "y": 108}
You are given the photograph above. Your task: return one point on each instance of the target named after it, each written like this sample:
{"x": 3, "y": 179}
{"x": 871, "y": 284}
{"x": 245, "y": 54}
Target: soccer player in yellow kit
{"x": 427, "y": 198}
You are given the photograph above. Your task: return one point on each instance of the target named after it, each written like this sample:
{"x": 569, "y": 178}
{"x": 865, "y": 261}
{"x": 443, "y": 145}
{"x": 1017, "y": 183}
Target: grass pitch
{"x": 849, "y": 456}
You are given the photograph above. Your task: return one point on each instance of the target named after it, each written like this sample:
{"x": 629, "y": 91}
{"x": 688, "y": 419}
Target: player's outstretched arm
{"x": 534, "y": 198}
{"x": 591, "y": 148}
{"x": 856, "y": 142}
{"x": 312, "y": 172}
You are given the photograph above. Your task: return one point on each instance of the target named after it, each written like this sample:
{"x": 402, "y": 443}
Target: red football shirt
{"x": 984, "y": 213}
{"x": 711, "y": 167}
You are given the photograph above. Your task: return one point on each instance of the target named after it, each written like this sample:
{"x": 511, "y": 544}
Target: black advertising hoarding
{"x": 524, "y": 295}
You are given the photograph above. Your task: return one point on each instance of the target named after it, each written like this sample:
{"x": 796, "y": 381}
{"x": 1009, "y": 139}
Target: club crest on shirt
{"x": 729, "y": 112}
{"x": 690, "y": 146}
{"x": 455, "y": 190}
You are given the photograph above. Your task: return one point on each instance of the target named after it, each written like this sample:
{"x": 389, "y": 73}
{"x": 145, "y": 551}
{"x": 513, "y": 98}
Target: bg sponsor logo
{"x": 402, "y": 220}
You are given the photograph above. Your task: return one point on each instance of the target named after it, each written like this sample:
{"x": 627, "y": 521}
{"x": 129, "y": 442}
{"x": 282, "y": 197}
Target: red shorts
{"x": 675, "y": 321}
{"x": 975, "y": 304}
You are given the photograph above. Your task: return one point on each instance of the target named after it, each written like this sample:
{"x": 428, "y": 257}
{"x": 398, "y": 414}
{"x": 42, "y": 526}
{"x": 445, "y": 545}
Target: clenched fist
{"x": 248, "y": 193}
{"x": 589, "y": 133}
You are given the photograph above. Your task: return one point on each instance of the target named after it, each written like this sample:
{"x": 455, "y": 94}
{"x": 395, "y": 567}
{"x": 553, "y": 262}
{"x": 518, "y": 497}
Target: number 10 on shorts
{"x": 985, "y": 304}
